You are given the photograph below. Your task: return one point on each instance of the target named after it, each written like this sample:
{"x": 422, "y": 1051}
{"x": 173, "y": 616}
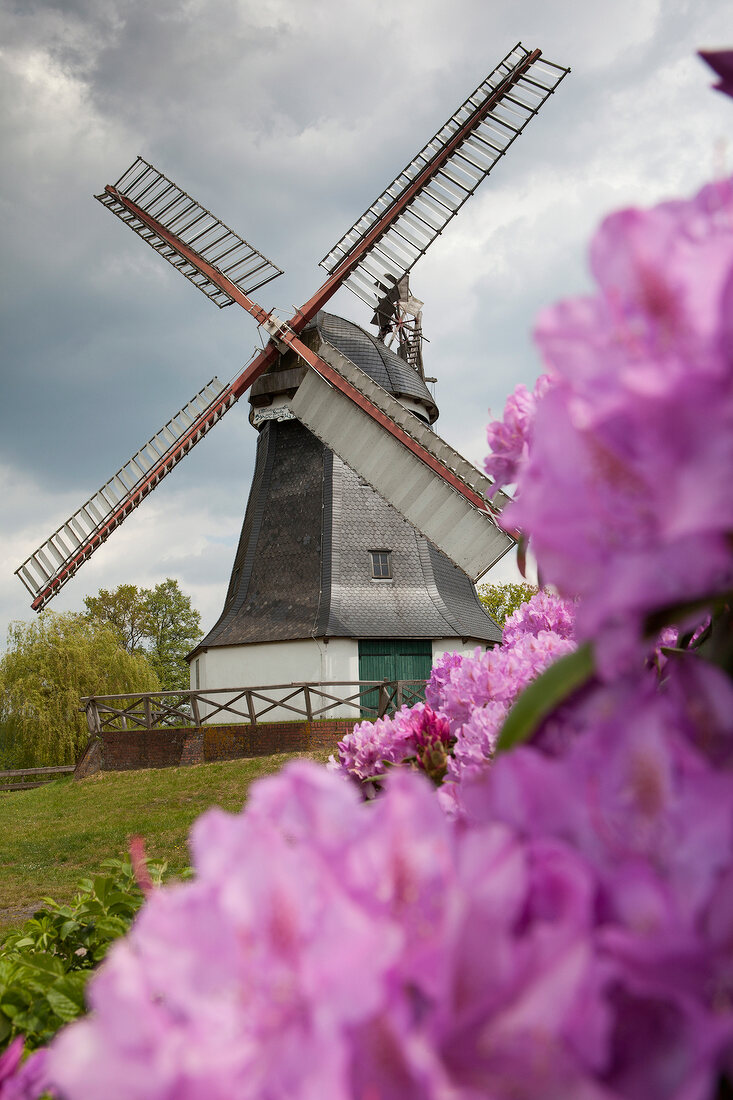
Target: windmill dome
{"x": 364, "y": 349}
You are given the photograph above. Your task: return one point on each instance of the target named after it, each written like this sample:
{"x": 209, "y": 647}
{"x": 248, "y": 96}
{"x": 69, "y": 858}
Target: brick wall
{"x": 124, "y": 750}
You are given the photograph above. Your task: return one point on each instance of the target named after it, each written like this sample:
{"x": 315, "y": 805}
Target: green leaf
{"x": 41, "y": 1027}
{"x": 544, "y": 694}
{"x": 118, "y": 866}
{"x": 66, "y": 998}
{"x": 68, "y": 927}
{"x": 12, "y": 1004}
{"x": 45, "y": 964}
{"x": 117, "y": 899}
{"x": 89, "y": 909}
{"x": 102, "y": 886}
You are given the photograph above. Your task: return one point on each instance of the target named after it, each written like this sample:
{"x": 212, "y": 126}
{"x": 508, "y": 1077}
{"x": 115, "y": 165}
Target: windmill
{"x": 325, "y": 392}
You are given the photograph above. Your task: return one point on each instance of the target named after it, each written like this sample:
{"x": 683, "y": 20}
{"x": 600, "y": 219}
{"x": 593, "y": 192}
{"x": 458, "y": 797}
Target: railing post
{"x": 195, "y": 709}
{"x": 399, "y": 694}
{"x": 383, "y": 700}
{"x": 308, "y": 705}
{"x": 93, "y": 723}
{"x": 251, "y": 708}
{"x": 148, "y": 713}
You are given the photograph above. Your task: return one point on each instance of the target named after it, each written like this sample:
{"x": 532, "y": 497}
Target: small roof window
{"x": 381, "y": 564}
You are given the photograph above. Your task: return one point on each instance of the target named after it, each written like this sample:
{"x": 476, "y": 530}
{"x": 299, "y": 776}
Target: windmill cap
{"x": 364, "y": 349}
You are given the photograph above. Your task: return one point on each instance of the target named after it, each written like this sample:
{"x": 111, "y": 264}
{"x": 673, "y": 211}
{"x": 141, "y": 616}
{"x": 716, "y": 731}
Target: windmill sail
{"x": 389, "y": 238}
{"x": 58, "y": 558}
{"x": 454, "y": 517}
{"x": 223, "y": 249}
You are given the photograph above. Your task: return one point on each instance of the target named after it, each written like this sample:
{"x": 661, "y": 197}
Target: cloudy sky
{"x": 287, "y": 118}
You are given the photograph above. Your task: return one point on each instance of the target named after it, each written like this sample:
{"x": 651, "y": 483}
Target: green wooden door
{"x": 393, "y": 659}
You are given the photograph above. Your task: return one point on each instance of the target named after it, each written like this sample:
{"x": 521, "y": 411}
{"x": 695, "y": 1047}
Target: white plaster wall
{"x": 310, "y": 660}
{"x": 454, "y": 645}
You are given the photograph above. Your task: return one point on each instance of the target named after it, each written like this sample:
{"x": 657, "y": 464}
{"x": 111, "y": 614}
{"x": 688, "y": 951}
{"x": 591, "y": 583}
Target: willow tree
{"x": 49, "y": 665}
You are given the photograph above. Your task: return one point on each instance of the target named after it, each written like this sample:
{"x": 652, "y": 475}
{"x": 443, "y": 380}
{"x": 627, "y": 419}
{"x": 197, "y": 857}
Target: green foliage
{"x": 44, "y": 967}
{"x": 173, "y": 629}
{"x": 502, "y": 600}
{"x": 159, "y": 622}
{"x": 123, "y": 609}
{"x": 49, "y": 665}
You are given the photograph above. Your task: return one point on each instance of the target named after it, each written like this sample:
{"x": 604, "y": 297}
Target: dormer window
{"x": 381, "y": 564}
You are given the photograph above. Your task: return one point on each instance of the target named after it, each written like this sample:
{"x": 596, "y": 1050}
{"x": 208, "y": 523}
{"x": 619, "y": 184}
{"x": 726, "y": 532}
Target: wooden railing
{"x": 250, "y": 705}
{"x": 17, "y": 779}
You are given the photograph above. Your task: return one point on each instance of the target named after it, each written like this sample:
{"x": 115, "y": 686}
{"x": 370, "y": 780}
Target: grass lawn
{"x": 54, "y": 835}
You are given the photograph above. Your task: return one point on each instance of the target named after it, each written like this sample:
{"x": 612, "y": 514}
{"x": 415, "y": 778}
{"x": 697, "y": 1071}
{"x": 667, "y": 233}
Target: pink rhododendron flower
{"x": 476, "y": 738}
{"x": 509, "y": 439}
{"x": 23, "y": 1080}
{"x": 627, "y": 496}
{"x": 479, "y": 694}
{"x": 559, "y": 943}
{"x": 9, "y": 1062}
{"x": 468, "y": 699}
{"x": 413, "y": 732}
{"x": 639, "y": 802}
{"x": 364, "y": 752}
{"x": 439, "y": 675}
{"x": 544, "y": 611}
{"x": 139, "y": 861}
{"x": 641, "y": 780}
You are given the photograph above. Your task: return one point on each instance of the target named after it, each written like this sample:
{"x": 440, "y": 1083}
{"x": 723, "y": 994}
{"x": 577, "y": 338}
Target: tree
{"x": 173, "y": 628}
{"x": 49, "y": 665}
{"x": 125, "y": 609}
{"x": 501, "y": 600}
{"x": 159, "y": 622}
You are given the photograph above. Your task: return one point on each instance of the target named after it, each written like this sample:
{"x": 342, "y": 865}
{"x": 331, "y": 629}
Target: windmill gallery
{"x": 364, "y": 531}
